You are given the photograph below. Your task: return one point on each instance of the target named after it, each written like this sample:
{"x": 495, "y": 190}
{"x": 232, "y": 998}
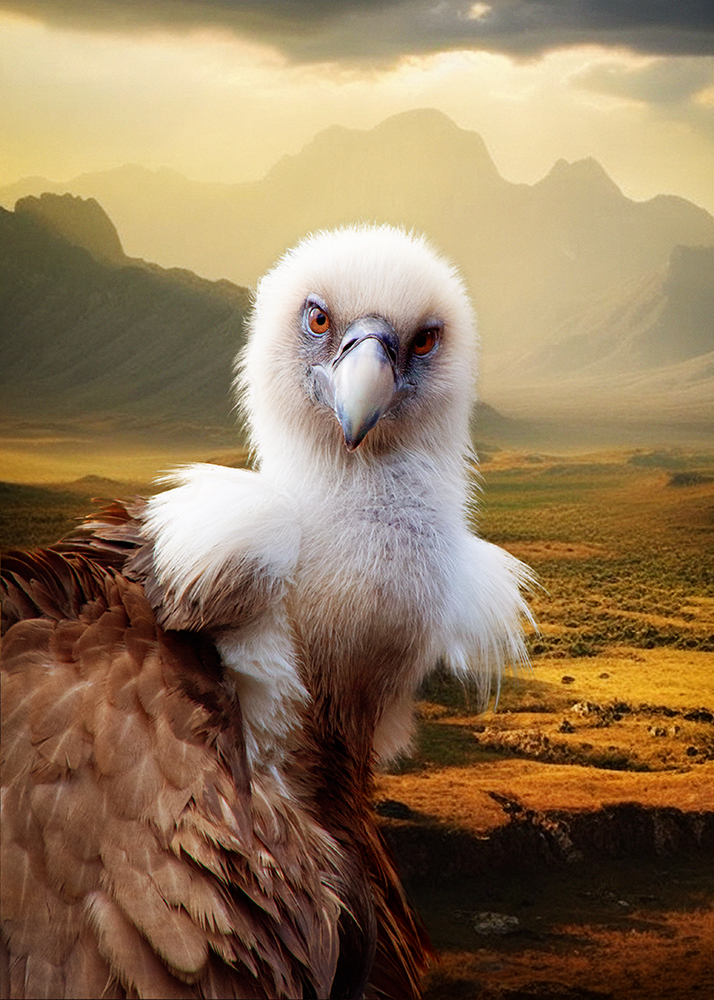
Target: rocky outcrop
{"x": 81, "y": 221}
{"x": 532, "y": 838}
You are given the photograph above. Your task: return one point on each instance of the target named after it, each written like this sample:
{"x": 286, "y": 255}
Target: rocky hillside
{"x": 80, "y": 221}
{"x": 656, "y": 320}
{"x": 89, "y": 333}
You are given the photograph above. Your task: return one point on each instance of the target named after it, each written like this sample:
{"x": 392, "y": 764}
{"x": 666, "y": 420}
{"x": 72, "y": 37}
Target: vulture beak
{"x": 362, "y": 380}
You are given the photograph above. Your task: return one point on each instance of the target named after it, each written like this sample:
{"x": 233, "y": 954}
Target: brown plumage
{"x": 140, "y": 856}
{"x": 195, "y": 687}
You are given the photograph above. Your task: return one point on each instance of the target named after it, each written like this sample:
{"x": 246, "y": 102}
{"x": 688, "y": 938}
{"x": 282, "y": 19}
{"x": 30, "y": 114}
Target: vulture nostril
{"x": 347, "y": 346}
{"x": 391, "y": 346}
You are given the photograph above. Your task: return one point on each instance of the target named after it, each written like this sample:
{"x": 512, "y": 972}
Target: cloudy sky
{"x": 220, "y": 89}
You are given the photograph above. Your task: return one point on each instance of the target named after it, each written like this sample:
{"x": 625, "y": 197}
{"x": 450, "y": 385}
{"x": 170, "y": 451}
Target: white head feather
{"x": 357, "y": 271}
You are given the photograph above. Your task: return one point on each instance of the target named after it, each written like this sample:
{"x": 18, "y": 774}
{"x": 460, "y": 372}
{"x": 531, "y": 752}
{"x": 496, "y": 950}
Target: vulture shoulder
{"x": 146, "y": 850}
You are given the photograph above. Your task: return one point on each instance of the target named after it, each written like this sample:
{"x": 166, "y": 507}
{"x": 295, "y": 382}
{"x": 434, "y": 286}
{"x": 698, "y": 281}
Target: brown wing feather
{"x": 404, "y": 951}
{"x": 113, "y": 538}
{"x": 139, "y": 855}
{"x": 108, "y": 536}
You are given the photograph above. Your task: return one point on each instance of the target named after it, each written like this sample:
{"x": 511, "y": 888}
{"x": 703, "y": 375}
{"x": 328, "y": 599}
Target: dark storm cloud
{"x": 379, "y": 30}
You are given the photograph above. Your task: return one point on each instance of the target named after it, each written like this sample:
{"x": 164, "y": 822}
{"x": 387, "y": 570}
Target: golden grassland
{"x": 631, "y": 726}
{"x": 63, "y": 453}
{"x": 619, "y": 699}
{"x": 617, "y": 708}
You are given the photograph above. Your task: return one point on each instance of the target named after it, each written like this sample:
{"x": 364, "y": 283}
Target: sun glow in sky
{"x": 222, "y": 102}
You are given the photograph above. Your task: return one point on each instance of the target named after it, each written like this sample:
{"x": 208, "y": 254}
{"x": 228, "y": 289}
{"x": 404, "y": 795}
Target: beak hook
{"x": 361, "y": 383}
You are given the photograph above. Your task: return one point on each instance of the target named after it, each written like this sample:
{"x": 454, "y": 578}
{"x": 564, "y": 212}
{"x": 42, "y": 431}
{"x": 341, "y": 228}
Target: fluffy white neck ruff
{"x": 340, "y": 545}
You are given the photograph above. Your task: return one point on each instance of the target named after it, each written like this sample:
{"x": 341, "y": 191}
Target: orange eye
{"x": 425, "y": 341}
{"x": 318, "y": 321}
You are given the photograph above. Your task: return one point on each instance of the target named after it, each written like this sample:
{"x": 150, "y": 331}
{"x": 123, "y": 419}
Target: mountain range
{"x": 641, "y": 352}
{"x": 586, "y": 300}
{"x": 529, "y": 253}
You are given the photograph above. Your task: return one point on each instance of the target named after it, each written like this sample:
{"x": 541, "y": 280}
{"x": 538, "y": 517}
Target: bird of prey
{"x": 196, "y": 687}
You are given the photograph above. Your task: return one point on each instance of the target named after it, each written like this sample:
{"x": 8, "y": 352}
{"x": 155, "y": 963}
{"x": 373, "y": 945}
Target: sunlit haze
{"x": 216, "y": 103}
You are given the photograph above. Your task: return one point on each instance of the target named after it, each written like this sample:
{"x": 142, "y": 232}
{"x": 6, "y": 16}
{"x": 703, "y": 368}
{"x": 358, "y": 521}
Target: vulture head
{"x": 362, "y": 341}
{"x": 197, "y": 686}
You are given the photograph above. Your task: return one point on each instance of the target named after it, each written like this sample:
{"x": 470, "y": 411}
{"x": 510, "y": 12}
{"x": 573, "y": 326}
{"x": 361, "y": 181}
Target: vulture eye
{"x": 425, "y": 341}
{"x": 318, "y": 321}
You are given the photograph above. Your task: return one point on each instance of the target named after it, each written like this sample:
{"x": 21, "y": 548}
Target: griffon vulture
{"x": 197, "y": 686}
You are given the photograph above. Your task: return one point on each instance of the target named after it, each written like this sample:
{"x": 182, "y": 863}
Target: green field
{"x": 623, "y": 547}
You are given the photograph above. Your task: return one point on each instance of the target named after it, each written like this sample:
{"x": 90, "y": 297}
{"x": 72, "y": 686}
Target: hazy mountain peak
{"x": 419, "y": 139}
{"x": 430, "y": 128}
{"x": 587, "y": 173}
{"x": 81, "y": 221}
{"x": 127, "y": 341}
{"x": 423, "y": 118}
